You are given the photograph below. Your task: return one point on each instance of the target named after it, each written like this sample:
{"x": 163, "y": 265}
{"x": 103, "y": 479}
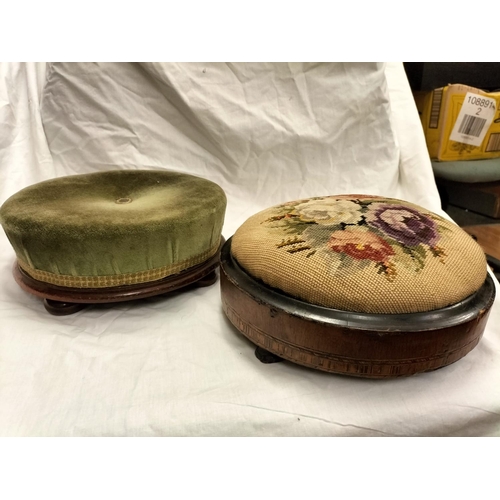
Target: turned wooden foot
{"x": 57, "y": 308}
{"x": 207, "y": 280}
{"x": 266, "y": 357}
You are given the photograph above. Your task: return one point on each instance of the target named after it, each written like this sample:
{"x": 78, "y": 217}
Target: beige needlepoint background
{"x": 361, "y": 253}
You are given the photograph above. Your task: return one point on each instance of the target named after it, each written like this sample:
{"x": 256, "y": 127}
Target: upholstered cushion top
{"x": 361, "y": 253}
{"x": 114, "y": 228}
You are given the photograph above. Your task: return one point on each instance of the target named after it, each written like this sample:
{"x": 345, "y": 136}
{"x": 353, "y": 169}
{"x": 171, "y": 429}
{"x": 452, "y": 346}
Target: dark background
{"x": 429, "y": 76}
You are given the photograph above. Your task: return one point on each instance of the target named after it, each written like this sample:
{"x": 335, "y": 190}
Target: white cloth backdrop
{"x": 173, "y": 365}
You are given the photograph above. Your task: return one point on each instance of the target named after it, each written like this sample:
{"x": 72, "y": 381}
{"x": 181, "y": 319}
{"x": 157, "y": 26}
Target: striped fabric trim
{"x": 117, "y": 279}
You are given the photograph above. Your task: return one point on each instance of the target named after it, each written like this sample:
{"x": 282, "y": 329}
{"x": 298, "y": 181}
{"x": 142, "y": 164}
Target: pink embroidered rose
{"x": 360, "y": 245}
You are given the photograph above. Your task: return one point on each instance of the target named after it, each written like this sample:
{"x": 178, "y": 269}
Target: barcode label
{"x": 437, "y": 97}
{"x": 472, "y": 125}
{"x": 475, "y": 117}
{"x": 493, "y": 143}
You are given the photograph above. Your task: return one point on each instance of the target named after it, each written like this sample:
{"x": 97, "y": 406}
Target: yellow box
{"x": 439, "y": 110}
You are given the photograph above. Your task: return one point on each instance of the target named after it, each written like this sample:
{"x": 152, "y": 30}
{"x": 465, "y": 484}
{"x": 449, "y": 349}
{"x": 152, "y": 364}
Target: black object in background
{"x": 432, "y": 75}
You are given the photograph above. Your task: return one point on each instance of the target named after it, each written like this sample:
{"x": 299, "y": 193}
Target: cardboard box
{"x": 455, "y": 134}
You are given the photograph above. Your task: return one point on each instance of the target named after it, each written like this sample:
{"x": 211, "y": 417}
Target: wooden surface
{"x": 363, "y": 345}
{"x": 483, "y": 198}
{"x": 488, "y": 236}
{"x": 61, "y": 301}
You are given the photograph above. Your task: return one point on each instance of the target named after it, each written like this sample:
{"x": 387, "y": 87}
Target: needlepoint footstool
{"x": 357, "y": 285}
{"x": 114, "y": 236}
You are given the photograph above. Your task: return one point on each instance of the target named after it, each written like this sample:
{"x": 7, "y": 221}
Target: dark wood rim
{"x": 453, "y": 315}
{"x": 202, "y": 274}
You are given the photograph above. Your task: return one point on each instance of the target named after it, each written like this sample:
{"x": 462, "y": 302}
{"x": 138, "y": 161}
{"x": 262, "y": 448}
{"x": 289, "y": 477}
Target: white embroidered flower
{"x": 330, "y": 211}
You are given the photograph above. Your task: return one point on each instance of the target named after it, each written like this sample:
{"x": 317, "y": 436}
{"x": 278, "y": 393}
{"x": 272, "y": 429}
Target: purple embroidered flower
{"x": 404, "y": 224}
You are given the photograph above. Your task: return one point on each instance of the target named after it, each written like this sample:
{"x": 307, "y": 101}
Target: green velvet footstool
{"x": 114, "y": 236}
{"x": 356, "y": 285}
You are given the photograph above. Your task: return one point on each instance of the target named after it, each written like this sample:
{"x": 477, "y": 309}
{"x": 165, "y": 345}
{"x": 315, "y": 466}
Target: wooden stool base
{"x": 62, "y": 301}
{"x": 348, "y": 343}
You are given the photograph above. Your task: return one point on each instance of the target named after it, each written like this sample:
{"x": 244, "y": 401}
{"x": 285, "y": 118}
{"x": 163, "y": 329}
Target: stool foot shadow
{"x": 207, "y": 280}
{"x": 266, "y": 357}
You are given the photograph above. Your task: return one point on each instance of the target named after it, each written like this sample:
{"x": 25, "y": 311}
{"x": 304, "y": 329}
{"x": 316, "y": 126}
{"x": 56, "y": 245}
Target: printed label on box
{"x": 474, "y": 119}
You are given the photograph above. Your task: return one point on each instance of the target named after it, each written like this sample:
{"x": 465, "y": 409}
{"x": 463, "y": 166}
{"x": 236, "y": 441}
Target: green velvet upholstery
{"x": 122, "y": 226}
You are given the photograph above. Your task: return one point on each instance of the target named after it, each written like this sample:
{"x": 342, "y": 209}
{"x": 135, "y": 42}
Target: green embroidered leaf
{"x": 297, "y": 227}
{"x": 403, "y": 258}
{"x": 420, "y": 255}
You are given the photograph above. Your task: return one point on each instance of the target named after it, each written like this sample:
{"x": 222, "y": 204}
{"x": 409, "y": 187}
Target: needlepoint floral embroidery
{"x": 404, "y": 224}
{"x": 360, "y": 231}
{"x": 322, "y": 211}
